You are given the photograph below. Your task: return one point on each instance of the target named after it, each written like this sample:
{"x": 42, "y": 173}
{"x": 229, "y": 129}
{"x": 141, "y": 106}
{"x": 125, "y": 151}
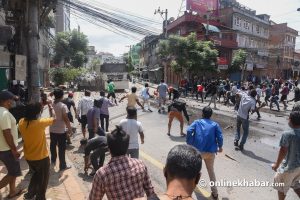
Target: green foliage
{"x": 70, "y": 47}
{"x": 94, "y": 63}
{"x": 238, "y": 61}
{"x": 62, "y": 74}
{"x": 128, "y": 61}
{"x": 188, "y": 54}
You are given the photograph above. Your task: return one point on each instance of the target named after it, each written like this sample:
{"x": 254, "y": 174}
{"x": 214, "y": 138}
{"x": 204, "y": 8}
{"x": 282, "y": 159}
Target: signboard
{"x": 249, "y": 66}
{"x": 203, "y": 6}
{"x": 222, "y": 63}
{"x": 4, "y": 59}
{"x": 21, "y": 67}
{"x": 222, "y": 67}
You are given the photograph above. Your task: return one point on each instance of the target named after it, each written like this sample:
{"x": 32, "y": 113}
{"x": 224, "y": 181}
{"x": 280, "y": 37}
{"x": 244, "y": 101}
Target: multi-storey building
{"x": 296, "y": 64}
{"x": 149, "y": 59}
{"x": 222, "y": 36}
{"x": 252, "y": 34}
{"x": 282, "y": 48}
{"x": 62, "y": 18}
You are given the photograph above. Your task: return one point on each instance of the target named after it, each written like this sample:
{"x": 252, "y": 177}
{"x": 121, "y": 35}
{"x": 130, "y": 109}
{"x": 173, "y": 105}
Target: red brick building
{"x": 223, "y": 38}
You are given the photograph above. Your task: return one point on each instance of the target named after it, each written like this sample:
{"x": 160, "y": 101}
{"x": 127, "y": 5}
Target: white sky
{"x": 280, "y": 10}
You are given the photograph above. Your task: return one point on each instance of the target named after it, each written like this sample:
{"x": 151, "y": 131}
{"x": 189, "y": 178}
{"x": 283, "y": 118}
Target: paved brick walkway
{"x": 62, "y": 185}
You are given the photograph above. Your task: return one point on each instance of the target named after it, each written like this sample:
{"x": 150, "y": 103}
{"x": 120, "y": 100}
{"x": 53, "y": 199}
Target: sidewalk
{"x": 63, "y": 185}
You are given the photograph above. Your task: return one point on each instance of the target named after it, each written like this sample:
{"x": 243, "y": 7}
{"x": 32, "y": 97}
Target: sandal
{"x": 15, "y": 195}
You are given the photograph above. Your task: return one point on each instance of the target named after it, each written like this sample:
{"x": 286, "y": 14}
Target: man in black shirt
{"x": 97, "y": 145}
{"x": 175, "y": 111}
{"x": 175, "y": 93}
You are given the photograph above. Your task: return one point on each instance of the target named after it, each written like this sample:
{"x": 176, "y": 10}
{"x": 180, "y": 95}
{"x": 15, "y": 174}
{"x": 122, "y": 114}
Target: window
{"x": 237, "y": 21}
{"x": 257, "y": 29}
{"x": 246, "y": 25}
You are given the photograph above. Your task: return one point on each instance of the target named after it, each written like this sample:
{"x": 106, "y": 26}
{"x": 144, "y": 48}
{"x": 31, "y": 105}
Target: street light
{"x": 161, "y": 12}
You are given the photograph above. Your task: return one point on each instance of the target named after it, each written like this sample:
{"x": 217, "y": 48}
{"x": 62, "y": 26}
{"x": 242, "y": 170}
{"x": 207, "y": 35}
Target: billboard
{"x": 202, "y": 6}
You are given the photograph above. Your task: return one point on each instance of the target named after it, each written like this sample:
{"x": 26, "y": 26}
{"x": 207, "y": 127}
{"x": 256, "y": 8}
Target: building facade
{"x": 252, "y": 34}
{"x": 62, "y": 18}
{"x": 150, "y": 63}
{"x": 206, "y": 28}
{"x": 282, "y": 47}
{"x": 296, "y": 65}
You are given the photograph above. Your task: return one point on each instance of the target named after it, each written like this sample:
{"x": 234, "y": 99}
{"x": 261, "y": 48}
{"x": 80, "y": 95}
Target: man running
{"x": 132, "y": 98}
{"x": 111, "y": 90}
{"x": 84, "y": 105}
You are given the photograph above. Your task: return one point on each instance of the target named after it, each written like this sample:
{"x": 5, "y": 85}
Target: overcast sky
{"x": 280, "y": 11}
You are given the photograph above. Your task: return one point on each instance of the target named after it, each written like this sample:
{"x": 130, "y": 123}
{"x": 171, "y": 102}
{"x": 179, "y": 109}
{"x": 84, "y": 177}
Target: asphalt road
{"x": 254, "y": 164}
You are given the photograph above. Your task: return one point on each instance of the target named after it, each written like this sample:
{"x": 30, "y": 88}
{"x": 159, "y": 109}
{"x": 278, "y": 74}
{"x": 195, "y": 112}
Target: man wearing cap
{"x": 9, "y": 154}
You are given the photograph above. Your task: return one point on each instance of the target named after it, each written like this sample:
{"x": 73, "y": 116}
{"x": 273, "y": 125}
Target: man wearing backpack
{"x": 175, "y": 111}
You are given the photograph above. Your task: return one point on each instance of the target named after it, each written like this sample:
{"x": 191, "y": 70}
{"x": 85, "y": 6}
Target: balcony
{"x": 220, "y": 42}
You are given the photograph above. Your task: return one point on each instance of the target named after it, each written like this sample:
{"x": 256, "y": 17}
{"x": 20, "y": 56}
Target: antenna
{"x": 182, "y": 8}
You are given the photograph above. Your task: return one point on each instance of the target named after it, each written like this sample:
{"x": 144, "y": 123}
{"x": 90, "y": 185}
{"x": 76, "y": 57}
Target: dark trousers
{"x": 106, "y": 118}
{"x": 60, "y": 141}
{"x": 201, "y": 95}
{"x": 39, "y": 179}
{"x": 97, "y": 154}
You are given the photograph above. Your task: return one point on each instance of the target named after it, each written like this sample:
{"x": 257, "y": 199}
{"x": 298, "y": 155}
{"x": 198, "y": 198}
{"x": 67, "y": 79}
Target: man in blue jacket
{"x": 206, "y": 135}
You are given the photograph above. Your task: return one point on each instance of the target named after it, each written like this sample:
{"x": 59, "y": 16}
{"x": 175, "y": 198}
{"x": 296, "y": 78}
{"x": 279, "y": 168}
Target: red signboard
{"x": 222, "y": 61}
{"x": 203, "y": 6}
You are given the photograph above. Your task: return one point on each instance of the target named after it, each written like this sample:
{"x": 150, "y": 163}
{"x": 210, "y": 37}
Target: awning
{"x": 211, "y": 28}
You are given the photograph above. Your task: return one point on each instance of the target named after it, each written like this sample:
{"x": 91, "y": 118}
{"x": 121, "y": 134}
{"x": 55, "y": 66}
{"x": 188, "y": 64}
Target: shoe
{"x": 92, "y": 174}
{"x": 241, "y": 147}
{"x": 28, "y": 197}
{"x": 159, "y": 111}
{"x": 150, "y": 110}
{"x": 236, "y": 143}
{"x": 214, "y": 196}
{"x": 259, "y": 117}
{"x": 168, "y": 134}
{"x": 65, "y": 168}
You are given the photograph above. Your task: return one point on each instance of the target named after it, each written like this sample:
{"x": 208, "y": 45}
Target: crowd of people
{"x": 125, "y": 176}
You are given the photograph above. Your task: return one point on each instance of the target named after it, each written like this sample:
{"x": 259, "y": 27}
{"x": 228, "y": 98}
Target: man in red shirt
{"x": 200, "y": 91}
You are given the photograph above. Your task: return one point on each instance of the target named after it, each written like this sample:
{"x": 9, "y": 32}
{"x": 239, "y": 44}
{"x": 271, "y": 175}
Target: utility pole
{"x": 33, "y": 35}
{"x": 165, "y": 23}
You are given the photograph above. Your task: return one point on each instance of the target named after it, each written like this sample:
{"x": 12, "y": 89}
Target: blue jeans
{"x": 245, "y": 124}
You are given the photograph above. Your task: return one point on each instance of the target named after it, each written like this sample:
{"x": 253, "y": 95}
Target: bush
{"x": 62, "y": 75}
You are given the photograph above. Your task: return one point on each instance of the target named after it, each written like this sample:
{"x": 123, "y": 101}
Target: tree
{"x": 61, "y": 75}
{"x": 188, "y": 55}
{"x": 238, "y": 61}
{"x": 128, "y": 61}
{"x": 70, "y": 47}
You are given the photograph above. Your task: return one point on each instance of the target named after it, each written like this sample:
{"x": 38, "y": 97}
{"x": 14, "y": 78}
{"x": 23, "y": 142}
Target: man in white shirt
{"x": 9, "y": 155}
{"x": 84, "y": 105}
{"x": 247, "y": 104}
{"x": 133, "y": 128}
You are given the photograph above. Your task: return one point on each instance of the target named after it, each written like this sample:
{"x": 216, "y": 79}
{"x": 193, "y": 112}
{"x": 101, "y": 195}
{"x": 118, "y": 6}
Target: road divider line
{"x": 161, "y": 166}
